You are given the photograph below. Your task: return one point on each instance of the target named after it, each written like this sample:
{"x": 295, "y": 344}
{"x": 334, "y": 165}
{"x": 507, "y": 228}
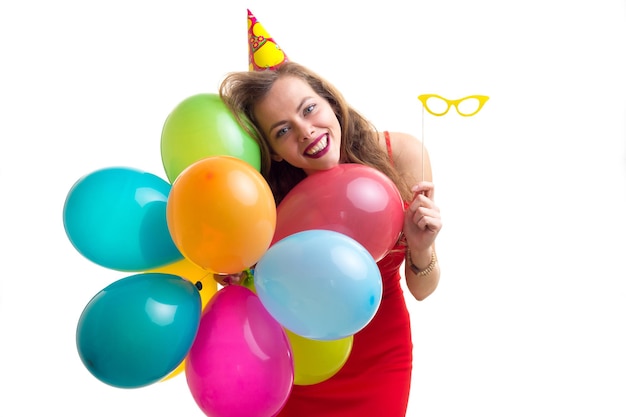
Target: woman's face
{"x": 301, "y": 126}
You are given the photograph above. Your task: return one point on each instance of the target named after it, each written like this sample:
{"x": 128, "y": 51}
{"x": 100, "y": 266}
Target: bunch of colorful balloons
{"x": 314, "y": 281}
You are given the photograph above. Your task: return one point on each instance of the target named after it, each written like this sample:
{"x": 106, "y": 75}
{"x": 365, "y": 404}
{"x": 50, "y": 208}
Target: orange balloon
{"x": 221, "y": 214}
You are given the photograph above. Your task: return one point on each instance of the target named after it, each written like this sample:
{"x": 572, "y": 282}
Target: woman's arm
{"x": 422, "y": 221}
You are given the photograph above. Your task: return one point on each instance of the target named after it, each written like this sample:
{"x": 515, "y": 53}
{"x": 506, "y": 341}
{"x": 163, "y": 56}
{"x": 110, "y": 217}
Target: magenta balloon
{"x": 356, "y": 200}
{"x": 240, "y": 364}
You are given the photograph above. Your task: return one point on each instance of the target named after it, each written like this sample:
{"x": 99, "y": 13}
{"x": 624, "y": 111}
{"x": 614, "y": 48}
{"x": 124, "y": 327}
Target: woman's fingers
{"x": 228, "y": 279}
{"x": 421, "y": 201}
{"x": 425, "y": 188}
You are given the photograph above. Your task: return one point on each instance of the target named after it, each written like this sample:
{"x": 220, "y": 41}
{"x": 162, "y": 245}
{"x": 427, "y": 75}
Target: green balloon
{"x": 201, "y": 126}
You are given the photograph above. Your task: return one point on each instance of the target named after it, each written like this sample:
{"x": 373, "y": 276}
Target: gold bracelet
{"x": 425, "y": 271}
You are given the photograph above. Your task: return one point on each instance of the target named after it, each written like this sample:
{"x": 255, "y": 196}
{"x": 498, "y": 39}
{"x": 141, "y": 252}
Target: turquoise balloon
{"x": 320, "y": 284}
{"x": 116, "y": 217}
{"x": 138, "y": 329}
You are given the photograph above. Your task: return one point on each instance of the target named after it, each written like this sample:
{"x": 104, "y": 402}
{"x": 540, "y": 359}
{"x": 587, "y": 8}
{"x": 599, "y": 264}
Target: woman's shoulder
{"x": 402, "y": 146}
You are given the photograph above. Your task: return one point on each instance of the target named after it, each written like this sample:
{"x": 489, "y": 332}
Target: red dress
{"x": 376, "y": 378}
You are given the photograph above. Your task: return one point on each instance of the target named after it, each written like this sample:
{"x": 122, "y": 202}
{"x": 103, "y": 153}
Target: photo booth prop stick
{"x": 439, "y": 106}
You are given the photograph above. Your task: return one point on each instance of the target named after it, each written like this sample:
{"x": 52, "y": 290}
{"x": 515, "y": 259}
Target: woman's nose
{"x": 306, "y": 132}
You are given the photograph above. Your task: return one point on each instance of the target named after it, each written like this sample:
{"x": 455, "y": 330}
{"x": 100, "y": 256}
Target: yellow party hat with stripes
{"x": 263, "y": 52}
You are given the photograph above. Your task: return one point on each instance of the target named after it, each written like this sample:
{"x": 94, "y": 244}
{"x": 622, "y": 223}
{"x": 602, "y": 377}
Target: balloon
{"x": 202, "y": 126}
{"x": 240, "y": 364}
{"x": 221, "y": 214}
{"x": 194, "y": 274}
{"x": 138, "y": 329}
{"x": 177, "y": 371}
{"x": 319, "y": 284}
{"x": 203, "y": 280}
{"x": 315, "y": 361}
{"x": 356, "y": 200}
{"x": 116, "y": 218}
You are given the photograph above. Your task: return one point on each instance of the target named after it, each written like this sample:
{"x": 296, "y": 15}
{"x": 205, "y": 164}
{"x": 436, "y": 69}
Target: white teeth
{"x": 320, "y": 145}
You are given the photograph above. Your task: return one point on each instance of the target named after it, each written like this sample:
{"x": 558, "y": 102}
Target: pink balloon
{"x": 356, "y": 200}
{"x": 240, "y": 364}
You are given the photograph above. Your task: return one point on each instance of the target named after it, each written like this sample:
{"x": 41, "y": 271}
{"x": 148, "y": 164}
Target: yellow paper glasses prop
{"x": 466, "y": 106}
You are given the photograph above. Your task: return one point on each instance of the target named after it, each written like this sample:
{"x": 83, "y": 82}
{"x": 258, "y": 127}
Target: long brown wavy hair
{"x": 240, "y": 91}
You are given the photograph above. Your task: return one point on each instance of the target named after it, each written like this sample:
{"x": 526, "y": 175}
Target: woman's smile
{"x": 318, "y": 148}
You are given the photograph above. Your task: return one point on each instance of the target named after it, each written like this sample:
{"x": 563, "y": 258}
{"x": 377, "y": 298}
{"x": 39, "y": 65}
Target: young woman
{"x": 303, "y": 125}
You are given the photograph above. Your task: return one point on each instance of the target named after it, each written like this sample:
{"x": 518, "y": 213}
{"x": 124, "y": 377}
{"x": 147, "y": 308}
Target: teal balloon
{"x": 116, "y": 217}
{"x": 320, "y": 284}
{"x": 139, "y": 329}
{"x": 202, "y": 126}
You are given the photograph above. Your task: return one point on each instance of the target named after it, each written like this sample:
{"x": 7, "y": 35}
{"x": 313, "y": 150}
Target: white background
{"x": 530, "y": 315}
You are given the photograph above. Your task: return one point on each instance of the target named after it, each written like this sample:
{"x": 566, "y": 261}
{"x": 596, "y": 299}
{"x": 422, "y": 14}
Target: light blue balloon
{"x": 116, "y": 217}
{"x": 320, "y": 284}
{"x": 139, "y": 329}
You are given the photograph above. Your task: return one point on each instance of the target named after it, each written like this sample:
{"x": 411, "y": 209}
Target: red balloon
{"x": 356, "y": 200}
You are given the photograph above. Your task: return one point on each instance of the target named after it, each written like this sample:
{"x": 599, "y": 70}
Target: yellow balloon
{"x": 192, "y": 273}
{"x": 179, "y": 370}
{"x": 317, "y": 360}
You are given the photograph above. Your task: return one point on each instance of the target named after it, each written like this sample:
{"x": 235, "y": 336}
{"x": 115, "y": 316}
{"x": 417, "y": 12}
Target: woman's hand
{"x": 422, "y": 220}
{"x": 231, "y": 279}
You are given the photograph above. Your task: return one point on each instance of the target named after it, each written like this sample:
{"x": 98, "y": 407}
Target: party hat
{"x": 263, "y": 52}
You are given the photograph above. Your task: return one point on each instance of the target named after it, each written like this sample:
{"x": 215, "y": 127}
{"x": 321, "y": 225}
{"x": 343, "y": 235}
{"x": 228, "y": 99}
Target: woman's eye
{"x": 309, "y": 109}
{"x": 281, "y": 132}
